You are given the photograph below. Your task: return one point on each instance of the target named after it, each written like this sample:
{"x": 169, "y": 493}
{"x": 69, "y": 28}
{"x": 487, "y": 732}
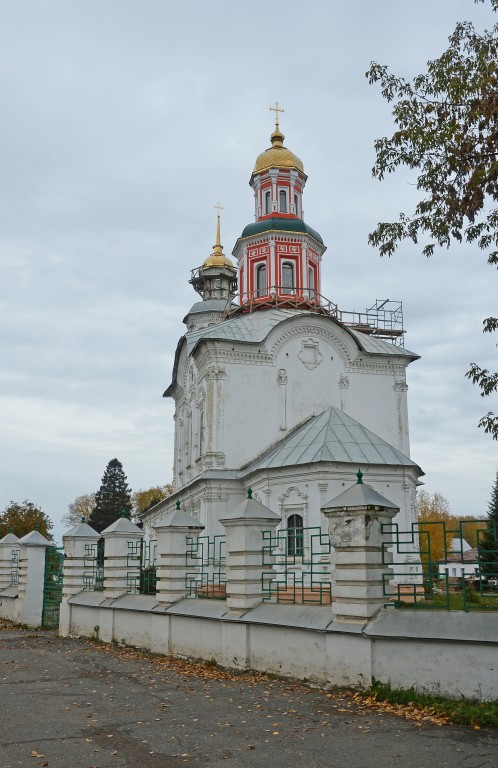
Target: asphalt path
{"x": 79, "y": 704}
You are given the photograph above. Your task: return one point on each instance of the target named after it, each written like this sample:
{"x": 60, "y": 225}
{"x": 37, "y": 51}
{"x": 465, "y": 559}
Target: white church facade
{"x": 274, "y": 387}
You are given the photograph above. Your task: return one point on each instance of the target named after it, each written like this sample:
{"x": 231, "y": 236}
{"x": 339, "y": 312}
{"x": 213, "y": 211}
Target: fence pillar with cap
{"x": 80, "y": 546}
{"x": 32, "y": 549}
{"x": 171, "y": 549}
{"x": 243, "y": 544}
{"x": 116, "y": 550}
{"x": 9, "y": 561}
{"x": 355, "y": 520}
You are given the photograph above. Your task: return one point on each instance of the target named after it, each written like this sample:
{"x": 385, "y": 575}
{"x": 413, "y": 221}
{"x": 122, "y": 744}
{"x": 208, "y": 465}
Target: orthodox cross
{"x": 218, "y": 241}
{"x": 277, "y": 108}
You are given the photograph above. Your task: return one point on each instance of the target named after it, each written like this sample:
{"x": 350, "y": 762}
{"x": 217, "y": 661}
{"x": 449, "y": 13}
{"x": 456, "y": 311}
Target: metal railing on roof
{"x": 384, "y": 320}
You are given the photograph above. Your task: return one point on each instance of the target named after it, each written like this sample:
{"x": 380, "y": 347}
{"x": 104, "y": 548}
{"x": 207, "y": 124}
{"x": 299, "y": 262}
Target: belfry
{"x": 274, "y": 386}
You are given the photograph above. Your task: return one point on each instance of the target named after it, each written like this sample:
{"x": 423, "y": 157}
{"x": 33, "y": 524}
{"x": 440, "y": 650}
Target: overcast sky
{"x": 123, "y": 123}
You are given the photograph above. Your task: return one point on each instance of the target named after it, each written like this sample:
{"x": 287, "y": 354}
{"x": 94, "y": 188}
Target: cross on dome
{"x": 277, "y": 108}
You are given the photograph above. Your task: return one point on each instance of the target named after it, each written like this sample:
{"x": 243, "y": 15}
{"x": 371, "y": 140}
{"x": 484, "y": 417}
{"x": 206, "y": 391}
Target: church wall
{"x": 304, "y": 490}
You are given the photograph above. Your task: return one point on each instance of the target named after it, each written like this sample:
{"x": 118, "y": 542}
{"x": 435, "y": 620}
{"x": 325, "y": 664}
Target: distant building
{"x": 462, "y": 563}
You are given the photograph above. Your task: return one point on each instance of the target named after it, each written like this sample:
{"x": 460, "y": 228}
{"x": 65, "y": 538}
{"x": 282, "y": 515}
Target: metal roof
{"x": 208, "y": 305}
{"x": 330, "y": 436}
{"x": 285, "y": 225}
{"x": 360, "y": 495}
{"x": 254, "y": 328}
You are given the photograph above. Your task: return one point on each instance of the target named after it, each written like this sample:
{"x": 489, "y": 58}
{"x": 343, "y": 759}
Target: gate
{"x": 52, "y": 586}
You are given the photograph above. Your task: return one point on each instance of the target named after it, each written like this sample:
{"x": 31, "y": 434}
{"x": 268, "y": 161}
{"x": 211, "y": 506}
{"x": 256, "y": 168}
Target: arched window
{"x": 311, "y": 282}
{"x": 296, "y": 205}
{"x": 295, "y": 538}
{"x": 261, "y": 280}
{"x": 283, "y": 201}
{"x": 267, "y": 202}
{"x": 288, "y": 277}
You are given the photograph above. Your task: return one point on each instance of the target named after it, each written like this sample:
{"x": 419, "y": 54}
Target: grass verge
{"x": 478, "y": 714}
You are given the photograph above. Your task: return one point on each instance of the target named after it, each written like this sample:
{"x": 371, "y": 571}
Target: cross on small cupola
{"x": 277, "y": 108}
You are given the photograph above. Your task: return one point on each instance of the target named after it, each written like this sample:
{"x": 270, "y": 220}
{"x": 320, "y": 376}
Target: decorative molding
{"x": 310, "y": 354}
{"x": 400, "y": 385}
{"x": 325, "y": 334}
{"x": 215, "y": 373}
{"x": 282, "y": 376}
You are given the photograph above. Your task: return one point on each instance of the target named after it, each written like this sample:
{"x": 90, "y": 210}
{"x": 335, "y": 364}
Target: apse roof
{"x": 330, "y": 436}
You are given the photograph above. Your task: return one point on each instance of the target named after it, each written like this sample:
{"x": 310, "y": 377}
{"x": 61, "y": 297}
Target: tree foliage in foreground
{"x": 22, "y": 518}
{"x": 112, "y": 497}
{"x": 447, "y": 129}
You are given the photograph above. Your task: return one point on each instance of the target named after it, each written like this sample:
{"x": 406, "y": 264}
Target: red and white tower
{"x": 278, "y": 256}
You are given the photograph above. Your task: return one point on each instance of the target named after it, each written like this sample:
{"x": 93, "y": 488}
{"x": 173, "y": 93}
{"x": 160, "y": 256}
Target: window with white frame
{"x": 267, "y": 202}
{"x": 295, "y": 537}
{"x": 311, "y": 282}
{"x": 282, "y": 201}
{"x": 261, "y": 280}
{"x": 288, "y": 284}
{"x": 296, "y": 205}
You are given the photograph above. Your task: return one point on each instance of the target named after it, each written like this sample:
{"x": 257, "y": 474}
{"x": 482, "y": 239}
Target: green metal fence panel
{"x": 93, "y": 575}
{"x": 14, "y": 568}
{"x": 206, "y": 567}
{"x": 52, "y": 586}
{"x": 141, "y": 575}
{"x": 300, "y": 560}
{"x": 451, "y": 575}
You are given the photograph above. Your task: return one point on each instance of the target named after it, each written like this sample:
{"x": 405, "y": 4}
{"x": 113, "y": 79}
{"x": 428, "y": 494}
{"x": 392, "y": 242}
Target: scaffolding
{"x": 383, "y": 320}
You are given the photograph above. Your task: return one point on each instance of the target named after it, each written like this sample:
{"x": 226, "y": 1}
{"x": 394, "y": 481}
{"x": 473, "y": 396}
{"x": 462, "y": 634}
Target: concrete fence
{"x": 348, "y": 642}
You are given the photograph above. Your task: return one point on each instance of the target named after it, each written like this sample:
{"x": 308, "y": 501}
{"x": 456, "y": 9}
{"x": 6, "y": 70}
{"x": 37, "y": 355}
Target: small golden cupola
{"x": 216, "y": 279}
{"x": 278, "y": 178}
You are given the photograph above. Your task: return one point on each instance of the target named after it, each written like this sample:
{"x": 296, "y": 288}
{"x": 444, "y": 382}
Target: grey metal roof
{"x": 209, "y": 305}
{"x": 360, "y": 495}
{"x": 330, "y": 436}
{"x": 254, "y": 327}
{"x": 377, "y": 346}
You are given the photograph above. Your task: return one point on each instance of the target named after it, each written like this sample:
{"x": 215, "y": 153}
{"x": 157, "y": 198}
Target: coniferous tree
{"x": 112, "y": 497}
{"x": 488, "y": 541}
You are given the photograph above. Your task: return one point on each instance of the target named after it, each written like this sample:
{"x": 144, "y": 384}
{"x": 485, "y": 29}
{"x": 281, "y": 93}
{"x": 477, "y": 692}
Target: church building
{"x": 274, "y": 386}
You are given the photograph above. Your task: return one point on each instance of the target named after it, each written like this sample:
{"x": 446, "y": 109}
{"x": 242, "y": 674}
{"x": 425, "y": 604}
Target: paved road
{"x": 75, "y": 704}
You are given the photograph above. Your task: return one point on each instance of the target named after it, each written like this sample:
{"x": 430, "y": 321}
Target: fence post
{"x": 77, "y": 543}
{"x": 355, "y": 519}
{"x": 116, "y": 550}
{"x": 9, "y": 564}
{"x": 31, "y": 577}
{"x": 171, "y": 554}
{"x": 244, "y": 544}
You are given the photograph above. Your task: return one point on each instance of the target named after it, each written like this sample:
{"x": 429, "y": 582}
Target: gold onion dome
{"x": 218, "y": 258}
{"x": 277, "y": 156}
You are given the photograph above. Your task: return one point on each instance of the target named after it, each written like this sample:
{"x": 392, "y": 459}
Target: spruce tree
{"x": 488, "y": 541}
{"x": 112, "y": 497}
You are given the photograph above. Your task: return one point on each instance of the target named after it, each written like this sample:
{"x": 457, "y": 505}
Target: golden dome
{"x": 218, "y": 258}
{"x": 277, "y": 156}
